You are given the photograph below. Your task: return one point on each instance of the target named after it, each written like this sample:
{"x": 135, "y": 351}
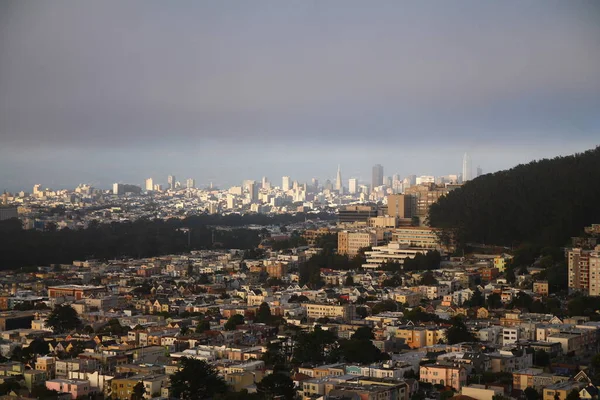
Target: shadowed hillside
{"x": 543, "y": 202}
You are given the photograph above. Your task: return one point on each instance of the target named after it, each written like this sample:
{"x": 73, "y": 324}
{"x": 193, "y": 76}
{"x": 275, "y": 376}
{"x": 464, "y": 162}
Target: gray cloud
{"x": 155, "y": 76}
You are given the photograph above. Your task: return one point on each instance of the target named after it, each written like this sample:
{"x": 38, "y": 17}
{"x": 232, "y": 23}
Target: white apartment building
{"x": 392, "y": 252}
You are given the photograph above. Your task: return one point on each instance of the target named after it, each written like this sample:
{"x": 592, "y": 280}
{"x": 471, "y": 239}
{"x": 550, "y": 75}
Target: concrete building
{"x": 285, "y": 183}
{"x": 76, "y": 388}
{"x": 8, "y": 213}
{"x": 149, "y": 185}
{"x": 446, "y": 374}
{"x": 584, "y": 270}
{"x": 352, "y": 185}
{"x": 400, "y": 206}
{"x": 392, "y": 252}
{"x": 316, "y": 311}
{"x": 349, "y": 243}
{"x": 482, "y": 392}
{"x": 422, "y": 237}
{"x": 356, "y": 214}
{"x": 377, "y": 176}
{"x": 425, "y": 195}
{"x": 541, "y": 288}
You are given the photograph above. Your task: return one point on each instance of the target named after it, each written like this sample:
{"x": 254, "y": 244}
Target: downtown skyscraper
{"x": 466, "y": 169}
{"x": 377, "y": 176}
{"x": 338, "y": 181}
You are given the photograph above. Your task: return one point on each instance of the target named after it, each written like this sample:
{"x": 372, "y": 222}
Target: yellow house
{"x": 561, "y": 390}
{"x": 240, "y": 380}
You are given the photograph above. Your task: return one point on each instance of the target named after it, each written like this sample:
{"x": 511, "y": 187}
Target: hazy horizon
{"x": 104, "y": 92}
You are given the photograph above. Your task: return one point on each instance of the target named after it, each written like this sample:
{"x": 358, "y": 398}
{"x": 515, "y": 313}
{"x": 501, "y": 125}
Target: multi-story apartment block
{"x": 315, "y": 311}
{"x": 584, "y": 270}
{"x": 447, "y": 374}
{"x": 349, "y": 243}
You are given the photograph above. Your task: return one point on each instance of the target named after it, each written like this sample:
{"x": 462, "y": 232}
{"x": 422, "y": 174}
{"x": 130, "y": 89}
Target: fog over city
{"x": 111, "y": 91}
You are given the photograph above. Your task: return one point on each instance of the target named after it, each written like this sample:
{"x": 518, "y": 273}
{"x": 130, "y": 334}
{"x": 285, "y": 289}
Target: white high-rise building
{"x": 171, "y": 181}
{"x": 466, "y": 170}
{"x": 285, "y": 183}
{"x": 338, "y": 181}
{"x": 149, "y": 185}
{"x": 352, "y": 185}
{"x": 190, "y": 183}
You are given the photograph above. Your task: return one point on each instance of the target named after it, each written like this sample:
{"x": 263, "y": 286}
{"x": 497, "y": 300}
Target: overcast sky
{"x": 117, "y": 91}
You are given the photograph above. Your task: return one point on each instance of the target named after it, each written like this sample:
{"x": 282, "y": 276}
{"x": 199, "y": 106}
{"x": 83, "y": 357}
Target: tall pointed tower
{"x": 338, "y": 181}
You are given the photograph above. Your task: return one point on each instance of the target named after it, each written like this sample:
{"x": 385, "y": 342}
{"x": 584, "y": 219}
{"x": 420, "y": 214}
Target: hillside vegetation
{"x": 543, "y": 202}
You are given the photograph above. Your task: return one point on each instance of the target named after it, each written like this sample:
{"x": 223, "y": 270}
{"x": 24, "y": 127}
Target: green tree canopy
{"x": 203, "y": 325}
{"x": 233, "y": 322}
{"x": 276, "y": 385}
{"x": 196, "y": 380}
{"x": 458, "y": 332}
{"x": 263, "y": 315}
{"x": 138, "y": 391}
{"x": 63, "y": 319}
{"x": 363, "y": 333}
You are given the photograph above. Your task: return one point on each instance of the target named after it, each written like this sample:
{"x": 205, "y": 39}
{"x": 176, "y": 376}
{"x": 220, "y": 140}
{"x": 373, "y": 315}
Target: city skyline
{"x": 149, "y": 183}
{"x": 179, "y": 90}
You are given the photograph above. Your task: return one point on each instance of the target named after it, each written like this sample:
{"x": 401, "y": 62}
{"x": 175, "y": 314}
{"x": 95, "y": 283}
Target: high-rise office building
{"x": 466, "y": 169}
{"x": 400, "y": 205}
{"x": 338, "y": 181}
{"x": 190, "y": 183}
{"x": 377, "y": 176}
{"x": 352, "y": 185}
{"x": 315, "y": 184}
{"x": 252, "y": 191}
{"x": 117, "y": 188}
{"x": 171, "y": 181}
{"x": 285, "y": 183}
{"x": 479, "y": 171}
{"x": 424, "y": 196}
{"x": 584, "y": 270}
{"x": 149, "y": 185}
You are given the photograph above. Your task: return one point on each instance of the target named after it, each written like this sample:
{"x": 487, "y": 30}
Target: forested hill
{"x": 544, "y": 202}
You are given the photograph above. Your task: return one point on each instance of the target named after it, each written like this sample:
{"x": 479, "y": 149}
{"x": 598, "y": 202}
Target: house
{"x": 446, "y": 374}
{"x": 561, "y": 390}
{"x": 76, "y": 388}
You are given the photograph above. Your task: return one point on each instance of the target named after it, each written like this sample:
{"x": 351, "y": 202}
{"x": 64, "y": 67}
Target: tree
{"x": 510, "y": 275}
{"x": 263, "y": 315}
{"x": 494, "y": 301}
{"x": 203, "y": 325}
{"x": 276, "y": 385}
{"x": 363, "y": 333}
{"x": 314, "y": 347}
{"x": 138, "y": 391}
{"x": 233, "y": 322}
{"x": 63, "y": 319}
{"x": 196, "y": 380}
{"x": 458, "y": 332}
{"x": 383, "y": 306}
{"x": 274, "y": 354}
{"x": 477, "y": 299}
{"x": 428, "y": 279}
{"x": 541, "y": 358}
{"x": 362, "y": 312}
{"x": 512, "y": 207}
{"x": 8, "y": 386}
{"x": 531, "y": 394}
{"x": 43, "y": 393}
{"x": 573, "y": 395}
{"x": 349, "y": 281}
